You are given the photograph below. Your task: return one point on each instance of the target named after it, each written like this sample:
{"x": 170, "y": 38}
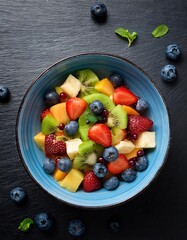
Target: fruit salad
{"x": 94, "y": 132}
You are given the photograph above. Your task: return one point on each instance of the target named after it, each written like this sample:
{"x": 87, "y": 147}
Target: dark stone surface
{"x": 33, "y": 35}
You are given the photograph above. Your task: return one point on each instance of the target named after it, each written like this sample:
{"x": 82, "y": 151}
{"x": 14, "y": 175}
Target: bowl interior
{"x": 28, "y": 125}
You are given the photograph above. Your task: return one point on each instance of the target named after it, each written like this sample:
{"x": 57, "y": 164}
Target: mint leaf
{"x": 122, "y": 32}
{"x": 160, "y": 31}
{"x": 25, "y": 224}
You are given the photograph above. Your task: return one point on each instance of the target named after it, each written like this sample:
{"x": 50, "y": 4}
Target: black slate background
{"x": 33, "y": 35}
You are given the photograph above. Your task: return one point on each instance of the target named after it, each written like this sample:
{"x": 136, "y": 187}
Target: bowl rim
{"x": 105, "y": 55}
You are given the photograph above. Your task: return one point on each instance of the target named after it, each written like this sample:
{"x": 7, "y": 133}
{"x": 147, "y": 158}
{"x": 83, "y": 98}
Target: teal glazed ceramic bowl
{"x": 28, "y": 125}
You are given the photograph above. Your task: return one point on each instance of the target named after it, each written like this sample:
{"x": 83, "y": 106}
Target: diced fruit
{"x": 49, "y": 125}
{"x": 117, "y": 135}
{"x": 124, "y": 96}
{"x": 71, "y": 86}
{"x": 75, "y": 107}
{"x": 130, "y": 110}
{"x": 72, "y": 180}
{"x": 44, "y": 113}
{"x": 84, "y": 125}
{"x": 91, "y": 182}
{"x": 125, "y": 146}
{"x": 51, "y": 98}
{"x": 118, "y": 165}
{"x": 117, "y": 118}
{"x": 59, "y": 113}
{"x": 138, "y": 124}
{"x": 100, "y": 134}
{"x": 132, "y": 154}
{"x": 40, "y": 140}
{"x": 58, "y": 90}
{"x": 63, "y": 97}
{"x": 59, "y": 175}
{"x": 146, "y": 140}
{"x": 72, "y": 147}
{"x": 105, "y": 86}
{"x": 54, "y": 147}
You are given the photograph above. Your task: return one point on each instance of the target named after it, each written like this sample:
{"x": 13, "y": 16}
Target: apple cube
{"x": 72, "y": 147}
{"x": 125, "y": 146}
{"x": 146, "y": 140}
{"x": 71, "y": 86}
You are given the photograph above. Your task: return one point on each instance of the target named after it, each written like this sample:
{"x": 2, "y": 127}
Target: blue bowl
{"x": 28, "y": 125}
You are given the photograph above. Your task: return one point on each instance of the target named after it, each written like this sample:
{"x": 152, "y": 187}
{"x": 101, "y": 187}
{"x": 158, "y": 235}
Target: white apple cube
{"x": 125, "y": 146}
{"x": 71, "y": 86}
{"x": 146, "y": 140}
{"x": 72, "y": 147}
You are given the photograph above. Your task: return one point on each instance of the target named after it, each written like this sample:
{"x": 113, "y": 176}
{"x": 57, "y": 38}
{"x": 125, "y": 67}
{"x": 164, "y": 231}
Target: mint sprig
{"x": 25, "y": 224}
{"x": 160, "y": 31}
{"x": 122, "y": 32}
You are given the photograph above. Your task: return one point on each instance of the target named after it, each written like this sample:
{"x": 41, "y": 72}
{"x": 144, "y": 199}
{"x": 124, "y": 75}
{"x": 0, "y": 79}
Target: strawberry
{"x": 75, "y": 107}
{"x": 91, "y": 182}
{"x": 44, "y": 113}
{"x": 119, "y": 165}
{"x": 138, "y": 124}
{"x": 54, "y": 147}
{"x": 124, "y": 96}
{"x": 100, "y": 134}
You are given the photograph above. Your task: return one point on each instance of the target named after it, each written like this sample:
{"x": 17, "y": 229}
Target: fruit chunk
{"x": 133, "y": 153}
{"x": 75, "y": 107}
{"x": 124, "y": 96}
{"x": 58, "y": 90}
{"x": 72, "y": 180}
{"x": 54, "y": 147}
{"x": 59, "y": 113}
{"x": 59, "y": 175}
{"x": 49, "y": 125}
{"x": 44, "y": 113}
{"x": 105, "y": 86}
{"x": 119, "y": 165}
{"x": 117, "y": 135}
{"x": 39, "y": 138}
{"x": 125, "y": 146}
{"x": 72, "y": 147}
{"x": 130, "y": 110}
{"x": 91, "y": 182}
{"x": 71, "y": 86}
{"x": 100, "y": 134}
{"x": 118, "y": 118}
{"x": 84, "y": 125}
{"x": 146, "y": 140}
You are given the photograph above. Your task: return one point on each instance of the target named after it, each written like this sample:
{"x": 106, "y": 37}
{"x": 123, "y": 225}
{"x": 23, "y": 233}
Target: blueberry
{"x": 96, "y": 107}
{"x": 49, "y": 165}
{"x": 110, "y": 154}
{"x": 51, "y": 98}
{"x": 173, "y": 51}
{"x": 111, "y": 183}
{"x": 71, "y": 128}
{"x": 76, "y": 227}
{"x": 141, "y": 105}
{"x": 18, "y": 195}
{"x": 4, "y": 94}
{"x": 114, "y": 226}
{"x": 129, "y": 175}
{"x": 99, "y": 10}
{"x": 44, "y": 221}
{"x": 64, "y": 164}
{"x": 169, "y": 73}
{"x": 100, "y": 170}
{"x": 141, "y": 163}
{"x": 116, "y": 80}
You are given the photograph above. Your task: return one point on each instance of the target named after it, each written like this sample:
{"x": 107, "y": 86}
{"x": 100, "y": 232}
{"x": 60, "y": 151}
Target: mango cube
{"x": 59, "y": 112}
{"x": 105, "y": 86}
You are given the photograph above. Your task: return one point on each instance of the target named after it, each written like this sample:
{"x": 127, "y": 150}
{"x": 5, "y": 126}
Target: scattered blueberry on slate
{"x": 71, "y": 128}
{"x": 76, "y": 227}
{"x": 4, "y": 94}
{"x": 111, "y": 183}
{"x": 51, "y": 98}
{"x": 44, "y": 221}
{"x": 141, "y": 164}
{"x": 100, "y": 170}
{"x": 64, "y": 164}
{"x": 169, "y": 73}
{"x": 141, "y": 105}
{"x": 99, "y": 11}
{"x": 114, "y": 226}
{"x": 116, "y": 80}
{"x": 110, "y": 154}
{"x": 173, "y": 52}
{"x": 18, "y": 195}
{"x": 129, "y": 175}
{"x": 96, "y": 107}
{"x": 49, "y": 165}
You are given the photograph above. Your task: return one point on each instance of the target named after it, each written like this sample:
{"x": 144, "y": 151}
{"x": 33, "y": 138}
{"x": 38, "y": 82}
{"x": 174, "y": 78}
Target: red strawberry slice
{"x": 138, "y": 124}
{"x": 54, "y": 147}
{"x": 119, "y": 165}
{"x": 75, "y": 107}
{"x": 100, "y": 134}
{"x": 44, "y": 113}
{"x": 124, "y": 96}
{"x": 91, "y": 182}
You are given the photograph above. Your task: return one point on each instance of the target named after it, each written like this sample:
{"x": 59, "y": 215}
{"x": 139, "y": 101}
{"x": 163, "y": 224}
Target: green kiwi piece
{"x": 84, "y": 126}
{"x": 105, "y": 100}
{"x": 49, "y": 125}
{"x": 89, "y": 152}
{"x": 88, "y": 80}
{"x": 117, "y": 118}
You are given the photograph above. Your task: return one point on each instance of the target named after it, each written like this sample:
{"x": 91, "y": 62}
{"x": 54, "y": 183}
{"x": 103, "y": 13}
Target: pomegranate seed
{"x": 140, "y": 153}
{"x": 63, "y": 96}
{"x": 132, "y": 162}
{"x": 61, "y": 126}
{"x": 105, "y": 113}
{"x": 101, "y": 160}
{"x": 134, "y": 136}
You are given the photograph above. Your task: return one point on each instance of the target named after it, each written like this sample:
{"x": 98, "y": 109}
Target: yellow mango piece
{"x": 105, "y": 86}
{"x": 130, "y": 110}
{"x": 40, "y": 140}
{"x": 72, "y": 181}
{"x": 59, "y": 175}
{"x": 59, "y": 112}
{"x": 58, "y": 90}
{"x": 133, "y": 153}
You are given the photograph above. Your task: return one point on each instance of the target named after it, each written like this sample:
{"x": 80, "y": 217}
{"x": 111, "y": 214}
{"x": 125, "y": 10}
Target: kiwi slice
{"x": 89, "y": 152}
{"x": 49, "y": 125}
{"x": 84, "y": 125}
{"x": 88, "y": 80}
{"x": 105, "y": 100}
{"x": 118, "y": 118}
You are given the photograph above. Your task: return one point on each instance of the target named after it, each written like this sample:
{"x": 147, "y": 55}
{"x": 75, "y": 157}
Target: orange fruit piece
{"x": 105, "y": 86}
{"x": 130, "y": 110}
